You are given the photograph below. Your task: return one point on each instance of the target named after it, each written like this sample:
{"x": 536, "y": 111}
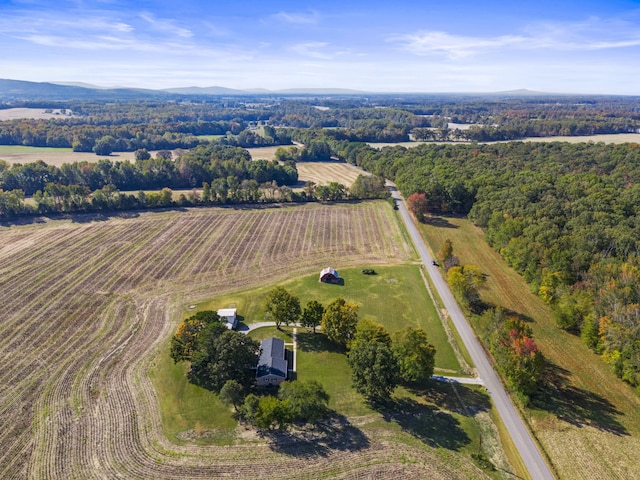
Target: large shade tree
{"x": 340, "y": 320}
{"x": 282, "y": 307}
{"x": 374, "y": 370}
{"x": 414, "y": 354}
{"x": 312, "y": 315}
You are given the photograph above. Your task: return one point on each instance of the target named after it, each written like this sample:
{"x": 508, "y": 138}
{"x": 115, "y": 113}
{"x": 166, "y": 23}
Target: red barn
{"x": 329, "y": 275}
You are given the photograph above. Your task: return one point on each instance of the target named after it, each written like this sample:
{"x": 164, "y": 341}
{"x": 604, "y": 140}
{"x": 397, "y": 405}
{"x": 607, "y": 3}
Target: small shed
{"x": 329, "y": 275}
{"x": 229, "y": 317}
{"x": 272, "y": 365}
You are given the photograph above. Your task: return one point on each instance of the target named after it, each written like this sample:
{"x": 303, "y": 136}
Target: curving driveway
{"x": 531, "y": 456}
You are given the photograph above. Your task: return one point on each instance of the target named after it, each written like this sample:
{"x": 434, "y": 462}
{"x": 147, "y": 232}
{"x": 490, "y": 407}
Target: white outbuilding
{"x": 229, "y": 317}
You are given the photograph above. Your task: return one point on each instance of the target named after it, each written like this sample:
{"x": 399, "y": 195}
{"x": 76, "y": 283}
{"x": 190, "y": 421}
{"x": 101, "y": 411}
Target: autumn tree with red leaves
{"x": 418, "y": 205}
{"x": 517, "y": 354}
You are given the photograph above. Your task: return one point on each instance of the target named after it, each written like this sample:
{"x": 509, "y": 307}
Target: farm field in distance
{"x": 90, "y": 300}
{"x": 56, "y": 156}
{"x": 616, "y": 138}
{"x": 321, "y": 173}
{"x": 588, "y": 421}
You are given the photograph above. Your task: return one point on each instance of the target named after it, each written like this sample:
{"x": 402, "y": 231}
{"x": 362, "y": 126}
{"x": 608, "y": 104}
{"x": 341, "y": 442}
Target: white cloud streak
{"x": 166, "y": 26}
{"x": 590, "y": 35}
{"x": 297, "y": 18}
{"x": 312, "y": 50}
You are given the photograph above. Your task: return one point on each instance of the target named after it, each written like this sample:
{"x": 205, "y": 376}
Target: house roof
{"x": 228, "y": 316}
{"x": 272, "y": 361}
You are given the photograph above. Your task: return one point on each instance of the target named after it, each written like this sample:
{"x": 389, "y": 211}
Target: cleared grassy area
{"x": 286, "y": 333}
{"x": 320, "y": 359}
{"x": 587, "y": 420}
{"x": 189, "y": 408}
{"x": 395, "y": 297}
{"x": 616, "y": 138}
{"x": 263, "y": 153}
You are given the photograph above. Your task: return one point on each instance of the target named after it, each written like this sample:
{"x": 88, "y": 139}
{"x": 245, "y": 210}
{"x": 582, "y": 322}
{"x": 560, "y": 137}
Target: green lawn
{"x": 185, "y": 406}
{"x": 396, "y": 298}
{"x": 320, "y": 359}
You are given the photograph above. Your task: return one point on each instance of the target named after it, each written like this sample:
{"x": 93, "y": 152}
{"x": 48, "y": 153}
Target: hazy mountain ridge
{"x": 17, "y": 90}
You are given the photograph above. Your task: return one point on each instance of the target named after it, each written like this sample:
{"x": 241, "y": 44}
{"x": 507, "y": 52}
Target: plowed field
{"x": 85, "y": 303}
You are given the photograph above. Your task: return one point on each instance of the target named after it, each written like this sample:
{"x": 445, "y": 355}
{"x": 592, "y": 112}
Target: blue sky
{"x": 392, "y": 46}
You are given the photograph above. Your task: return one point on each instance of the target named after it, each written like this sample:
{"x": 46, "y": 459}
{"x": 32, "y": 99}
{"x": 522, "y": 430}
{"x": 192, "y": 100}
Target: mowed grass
{"x": 321, "y": 360}
{"x": 586, "y": 419}
{"x": 396, "y": 298}
{"x": 57, "y": 156}
{"x": 188, "y": 408}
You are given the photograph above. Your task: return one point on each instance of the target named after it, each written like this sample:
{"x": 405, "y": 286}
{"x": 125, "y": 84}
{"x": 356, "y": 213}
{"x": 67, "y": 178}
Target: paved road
{"x": 523, "y": 441}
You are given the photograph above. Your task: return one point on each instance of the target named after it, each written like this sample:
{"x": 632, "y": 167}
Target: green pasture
{"x": 20, "y": 149}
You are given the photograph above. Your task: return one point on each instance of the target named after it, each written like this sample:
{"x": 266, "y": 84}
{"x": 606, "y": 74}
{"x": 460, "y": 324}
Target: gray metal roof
{"x": 272, "y": 361}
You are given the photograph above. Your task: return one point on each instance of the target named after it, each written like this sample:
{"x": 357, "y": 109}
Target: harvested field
{"x": 263, "y": 153}
{"x": 56, "y": 156}
{"x": 88, "y": 301}
{"x": 34, "y": 113}
{"x": 324, "y": 172}
{"x": 587, "y": 420}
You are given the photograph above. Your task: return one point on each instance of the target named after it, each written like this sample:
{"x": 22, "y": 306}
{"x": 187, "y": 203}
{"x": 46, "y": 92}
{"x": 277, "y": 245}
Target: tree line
{"x": 189, "y": 170}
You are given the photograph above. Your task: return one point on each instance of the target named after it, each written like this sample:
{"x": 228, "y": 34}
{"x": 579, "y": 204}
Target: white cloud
{"x": 166, "y": 26}
{"x": 426, "y": 43}
{"x": 297, "y": 17}
{"x": 589, "y": 35}
{"x": 312, "y": 49}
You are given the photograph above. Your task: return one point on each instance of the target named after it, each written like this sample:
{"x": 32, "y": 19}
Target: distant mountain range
{"x": 19, "y": 90}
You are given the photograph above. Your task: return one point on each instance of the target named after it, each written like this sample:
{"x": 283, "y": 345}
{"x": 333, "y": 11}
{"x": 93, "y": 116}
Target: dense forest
{"x": 565, "y": 216}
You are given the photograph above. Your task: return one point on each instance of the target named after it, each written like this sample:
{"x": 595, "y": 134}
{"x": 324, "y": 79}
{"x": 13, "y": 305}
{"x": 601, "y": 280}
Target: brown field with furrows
{"x": 586, "y": 419}
{"x": 321, "y": 173}
{"x": 87, "y": 301}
